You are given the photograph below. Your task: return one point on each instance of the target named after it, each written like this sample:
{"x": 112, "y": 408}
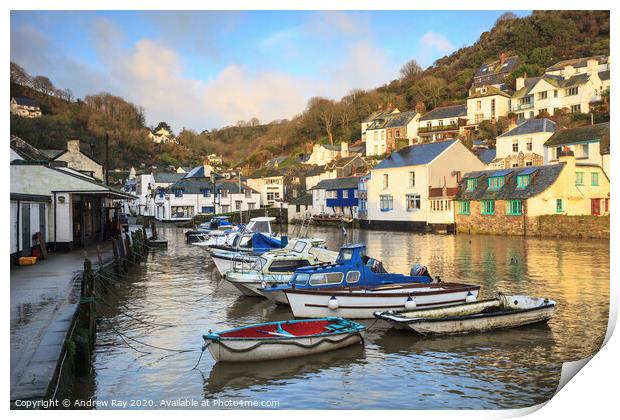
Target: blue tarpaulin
{"x": 263, "y": 243}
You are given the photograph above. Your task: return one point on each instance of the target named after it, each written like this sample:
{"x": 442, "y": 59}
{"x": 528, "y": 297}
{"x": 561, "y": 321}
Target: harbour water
{"x": 169, "y": 302}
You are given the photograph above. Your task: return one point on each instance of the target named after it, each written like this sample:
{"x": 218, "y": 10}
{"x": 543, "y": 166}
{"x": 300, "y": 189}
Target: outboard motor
{"x": 419, "y": 270}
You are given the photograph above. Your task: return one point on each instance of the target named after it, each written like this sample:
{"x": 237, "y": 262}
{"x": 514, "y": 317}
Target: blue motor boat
{"x": 351, "y": 269}
{"x": 216, "y": 223}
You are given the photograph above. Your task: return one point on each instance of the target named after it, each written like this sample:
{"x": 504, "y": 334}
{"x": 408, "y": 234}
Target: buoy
{"x": 470, "y": 297}
{"x": 263, "y": 284}
{"x": 410, "y": 304}
{"x": 333, "y": 303}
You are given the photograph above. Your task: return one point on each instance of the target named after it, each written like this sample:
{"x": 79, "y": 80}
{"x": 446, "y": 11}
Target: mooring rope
{"x": 146, "y": 344}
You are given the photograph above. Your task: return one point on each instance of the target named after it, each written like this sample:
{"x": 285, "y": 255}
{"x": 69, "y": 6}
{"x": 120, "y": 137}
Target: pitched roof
{"x": 579, "y": 134}
{"x": 486, "y": 155}
{"x": 554, "y": 80}
{"x": 167, "y": 177}
{"x": 418, "y": 154}
{"x": 488, "y": 91}
{"x": 603, "y": 75}
{"x": 496, "y": 75}
{"x": 401, "y": 119}
{"x": 304, "y": 200}
{"x": 541, "y": 178}
{"x": 380, "y": 113}
{"x": 198, "y": 185}
{"x": 26, "y": 150}
{"x": 532, "y": 125}
{"x": 337, "y": 183}
{"x": 453, "y": 111}
{"x": 51, "y": 153}
{"x": 577, "y": 62}
{"x": 26, "y": 102}
{"x": 316, "y": 170}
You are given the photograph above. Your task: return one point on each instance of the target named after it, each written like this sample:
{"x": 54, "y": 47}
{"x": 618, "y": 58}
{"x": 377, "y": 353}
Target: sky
{"x": 207, "y": 69}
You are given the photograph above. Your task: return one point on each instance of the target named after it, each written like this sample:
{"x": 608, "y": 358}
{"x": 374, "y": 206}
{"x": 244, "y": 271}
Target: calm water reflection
{"x": 175, "y": 297}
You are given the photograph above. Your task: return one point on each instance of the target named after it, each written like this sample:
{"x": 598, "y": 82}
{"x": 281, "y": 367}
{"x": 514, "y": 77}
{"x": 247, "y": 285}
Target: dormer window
{"x": 496, "y": 182}
{"x": 523, "y": 181}
{"x": 472, "y": 183}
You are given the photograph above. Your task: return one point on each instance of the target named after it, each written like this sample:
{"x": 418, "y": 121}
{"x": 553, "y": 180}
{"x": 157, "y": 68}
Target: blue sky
{"x": 208, "y": 69}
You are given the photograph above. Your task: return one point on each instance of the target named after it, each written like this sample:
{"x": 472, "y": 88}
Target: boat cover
{"x": 264, "y": 243}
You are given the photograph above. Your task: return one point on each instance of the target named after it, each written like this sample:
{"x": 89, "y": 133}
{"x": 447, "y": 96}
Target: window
{"x": 397, "y": 133}
{"x": 493, "y": 108}
{"x": 523, "y": 181}
{"x": 327, "y": 278}
{"x": 206, "y": 192}
{"x": 478, "y": 104}
{"x": 376, "y": 149}
{"x": 287, "y": 266}
{"x": 528, "y": 163}
{"x": 472, "y": 183}
{"x": 181, "y": 212}
{"x": 411, "y": 179}
{"x": 345, "y": 193}
{"x": 386, "y": 181}
{"x": 488, "y": 207}
{"x": 594, "y": 176}
{"x": 496, "y": 182}
{"x": 463, "y": 207}
{"x": 161, "y": 193}
{"x": 514, "y": 207}
{"x": 558, "y": 206}
{"x": 572, "y": 91}
{"x": 528, "y": 145}
{"x": 515, "y": 145}
{"x": 331, "y": 194}
{"x": 382, "y": 134}
{"x": 429, "y": 124}
{"x": 584, "y": 151}
{"x": 541, "y": 110}
{"x": 542, "y": 95}
{"x": 237, "y": 204}
{"x": 376, "y": 135}
{"x": 251, "y": 206}
{"x": 555, "y": 93}
{"x": 579, "y": 178}
{"x": 353, "y": 276}
{"x": 355, "y": 194}
{"x": 440, "y": 123}
{"x": 575, "y": 108}
{"x": 224, "y": 193}
{"x": 225, "y": 208}
{"x": 413, "y": 202}
{"x": 178, "y": 193}
{"x": 386, "y": 202}
{"x": 204, "y": 210}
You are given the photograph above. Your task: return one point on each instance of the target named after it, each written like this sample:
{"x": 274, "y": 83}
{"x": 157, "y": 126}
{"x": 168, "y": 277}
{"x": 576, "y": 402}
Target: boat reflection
{"x": 225, "y": 377}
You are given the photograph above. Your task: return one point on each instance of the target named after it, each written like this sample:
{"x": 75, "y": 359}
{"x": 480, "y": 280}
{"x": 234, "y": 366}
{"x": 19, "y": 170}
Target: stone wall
{"x": 550, "y": 225}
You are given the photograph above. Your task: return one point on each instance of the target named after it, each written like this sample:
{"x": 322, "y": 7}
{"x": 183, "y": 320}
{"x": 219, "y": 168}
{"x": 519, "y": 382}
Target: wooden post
{"x": 129, "y": 250}
{"x": 84, "y": 338}
{"x": 153, "y": 229}
{"x": 99, "y": 259}
{"x": 117, "y": 255}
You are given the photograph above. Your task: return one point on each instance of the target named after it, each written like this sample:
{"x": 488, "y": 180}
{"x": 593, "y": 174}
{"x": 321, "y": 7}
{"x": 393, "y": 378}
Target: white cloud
{"x": 436, "y": 41}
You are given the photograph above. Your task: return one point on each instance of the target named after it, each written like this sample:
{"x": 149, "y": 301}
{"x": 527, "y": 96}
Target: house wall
{"x": 163, "y": 206}
{"x": 504, "y": 144}
{"x": 321, "y": 155}
{"x": 293, "y": 213}
{"x": 376, "y": 142}
{"x": 16, "y": 231}
{"x": 593, "y": 156}
{"x": 79, "y": 161}
{"x": 485, "y": 112}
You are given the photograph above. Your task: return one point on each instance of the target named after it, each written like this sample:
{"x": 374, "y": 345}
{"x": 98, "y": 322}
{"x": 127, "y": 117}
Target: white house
{"x": 412, "y": 188}
{"x": 24, "y": 107}
{"x": 524, "y": 145}
{"x": 589, "y": 143}
{"x": 442, "y": 123}
{"x": 325, "y": 153}
{"x": 162, "y": 136}
{"x": 299, "y": 208}
{"x": 384, "y": 132}
{"x": 270, "y": 184}
{"x": 486, "y": 103}
{"x": 377, "y": 115}
{"x": 571, "y": 85}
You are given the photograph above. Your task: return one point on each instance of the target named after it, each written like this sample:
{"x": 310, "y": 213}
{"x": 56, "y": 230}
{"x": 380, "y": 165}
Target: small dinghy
{"x": 506, "y": 311}
{"x": 283, "y": 339}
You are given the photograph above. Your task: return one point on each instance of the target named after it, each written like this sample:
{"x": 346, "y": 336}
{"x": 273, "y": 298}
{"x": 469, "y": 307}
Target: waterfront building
{"x": 442, "y": 123}
{"x": 523, "y": 145}
{"x": 589, "y": 143}
{"x": 362, "y": 197}
{"x": 412, "y": 188}
{"x": 299, "y": 208}
{"x": 571, "y": 86}
{"x": 336, "y": 196}
{"x": 269, "y": 182}
{"x": 511, "y": 201}
{"x": 23, "y": 107}
{"x": 388, "y": 132}
{"x": 68, "y": 208}
{"x": 494, "y": 73}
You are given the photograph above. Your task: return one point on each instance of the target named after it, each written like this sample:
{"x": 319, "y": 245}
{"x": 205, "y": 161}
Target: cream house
{"x": 325, "y": 153}
{"x": 486, "y": 103}
{"x": 442, "y": 123}
{"x": 523, "y": 145}
{"x": 377, "y": 115}
{"x": 384, "y": 133}
{"x": 412, "y": 189}
{"x": 24, "y": 107}
{"x": 270, "y": 184}
{"x": 162, "y": 136}
{"x": 569, "y": 87}
{"x": 76, "y": 159}
{"x": 590, "y": 145}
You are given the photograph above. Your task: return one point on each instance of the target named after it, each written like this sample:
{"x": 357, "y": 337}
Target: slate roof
{"x": 198, "y": 185}
{"x": 198, "y": 172}
{"x": 508, "y": 66}
{"x": 453, "y": 111}
{"x": 304, "y": 200}
{"x": 532, "y": 125}
{"x": 338, "y": 183}
{"x": 27, "y": 151}
{"x": 490, "y": 91}
{"x": 51, "y": 153}
{"x": 380, "y": 113}
{"x": 577, "y": 62}
{"x": 26, "y": 102}
{"x": 556, "y": 81}
{"x": 418, "y": 154}
{"x": 167, "y": 177}
{"x": 603, "y": 75}
{"x": 316, "y": 170}
{"x": 486, "y": 155}
{"x": 541, "y": 179}
{"x": 401, "y": 119}
{"x": 579, "y": 134}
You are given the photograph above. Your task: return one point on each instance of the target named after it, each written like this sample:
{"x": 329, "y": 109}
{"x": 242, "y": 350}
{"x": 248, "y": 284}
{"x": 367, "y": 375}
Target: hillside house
{"x": 162, "y": 136}
{"x": 494, "y": 73}
{"x": 589, "y": 143}
{"x": 23, "y": 107}
{"x": 486, "y": 103}
{"x": 386, "y": 133}
{"x": 442, "y": 123}
{"x": 325, "y": 153}
{"x": 523, "y": 145}
{"x": 380, "y": 114}
{"x": 509, "y": 201}
{"x": 412, "y": 188}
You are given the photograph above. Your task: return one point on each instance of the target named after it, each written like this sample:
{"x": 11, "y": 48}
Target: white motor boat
{"x": 224, "y": 240}
{"x": 278, "y": 267}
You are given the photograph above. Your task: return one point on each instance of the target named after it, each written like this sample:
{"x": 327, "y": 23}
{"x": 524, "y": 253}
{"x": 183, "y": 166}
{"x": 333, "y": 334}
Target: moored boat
{"x": 361, "y": 303}
{"x": 505, "y": 311}
{"x": 283, "y": 339}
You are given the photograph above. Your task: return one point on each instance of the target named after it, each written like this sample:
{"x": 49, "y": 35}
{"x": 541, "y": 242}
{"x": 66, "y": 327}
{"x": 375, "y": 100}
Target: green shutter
{"x": 595, "y": 179}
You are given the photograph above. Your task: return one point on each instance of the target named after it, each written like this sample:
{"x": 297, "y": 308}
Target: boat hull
{"x": 251, "y": 283}
{"x": 226, "y": 261}
{"x": 256, "y": 351}
{"x": 363, "y": 304}
{"x": 475, "y": 317}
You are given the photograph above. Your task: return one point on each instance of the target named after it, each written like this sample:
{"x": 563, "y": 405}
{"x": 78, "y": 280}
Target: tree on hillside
{"x": 410, "y": 70}
{"x": 430, "y": 90}
{"x": 254, "y": 122}
{"x": 43, "y": 84}
{"x": 506, "y": 16}
{"x": 324, "y": 112}
{"x": 19, "y": 75}
{"x": 163, "y": 125}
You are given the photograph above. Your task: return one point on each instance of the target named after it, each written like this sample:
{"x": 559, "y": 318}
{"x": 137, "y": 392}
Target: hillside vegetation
{"x": 540, "y": 40}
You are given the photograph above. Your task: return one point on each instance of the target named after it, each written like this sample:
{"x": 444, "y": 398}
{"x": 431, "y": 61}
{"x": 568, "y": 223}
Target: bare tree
{"x": 430, "y": 90}
{"x": 410, "y": 70}
{"x": 506, "y": 16}
{"x": 43, "y": 84}
{"x": 324, "y": 112}
{"x": 254, "y": 122}
{"x": 19, "y": 75}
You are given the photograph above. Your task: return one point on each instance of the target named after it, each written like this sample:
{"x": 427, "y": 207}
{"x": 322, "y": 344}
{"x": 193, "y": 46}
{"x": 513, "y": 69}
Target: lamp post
{"x": 280, "y": 218}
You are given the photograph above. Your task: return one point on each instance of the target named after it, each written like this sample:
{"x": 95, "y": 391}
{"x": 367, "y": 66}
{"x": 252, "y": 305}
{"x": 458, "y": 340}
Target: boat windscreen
{"x": 345, "y": 255}
{"x": 259, "y": 226}
{"x": 259, "y": 264}
{"x": 300, "y": 279}
{"x": 299, "y": 247}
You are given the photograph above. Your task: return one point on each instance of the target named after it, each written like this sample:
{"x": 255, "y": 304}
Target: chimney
{"x": 73, "y": 146}
{"x": 207, "y": 168}
{"x": 520, "y": 82}
{"x": 567, "y": 157}
{"x": 568, "y": 71}
{"x": 344, "y": 149}
{"x": 592, "y": 65}
{"x": 502, "y": 58}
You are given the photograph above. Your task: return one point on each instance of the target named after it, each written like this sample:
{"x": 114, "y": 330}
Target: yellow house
{"x": 510, "y": 201}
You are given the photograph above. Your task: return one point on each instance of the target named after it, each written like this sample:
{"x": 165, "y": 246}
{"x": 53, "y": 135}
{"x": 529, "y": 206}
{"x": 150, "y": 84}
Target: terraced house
{"x": 523, "y": 145}
{"x": 442, "y": 123}
{"x": 386, "y": 134}
{"x": 511, "y": 201}
{"x": 336, "y": 196}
